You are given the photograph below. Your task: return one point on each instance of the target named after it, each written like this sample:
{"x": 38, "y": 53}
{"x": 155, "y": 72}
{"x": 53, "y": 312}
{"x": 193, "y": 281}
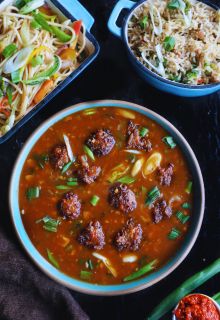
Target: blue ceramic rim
{"x": 63, "y": 84}
{"x": 104, "y": 290}
{"x": 151, "y": 73}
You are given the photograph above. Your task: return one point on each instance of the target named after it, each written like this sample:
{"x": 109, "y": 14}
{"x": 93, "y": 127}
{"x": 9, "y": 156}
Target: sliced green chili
{"x": 173, "y": 4}
{"x": 139, "y": 273}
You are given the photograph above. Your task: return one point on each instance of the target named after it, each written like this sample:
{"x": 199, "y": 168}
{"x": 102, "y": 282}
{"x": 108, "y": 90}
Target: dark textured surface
{"x": 111, "y": 76}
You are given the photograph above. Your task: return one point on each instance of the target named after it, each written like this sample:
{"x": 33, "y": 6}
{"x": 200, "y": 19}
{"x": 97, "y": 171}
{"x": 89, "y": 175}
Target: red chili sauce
{"x": 196, "y": 307}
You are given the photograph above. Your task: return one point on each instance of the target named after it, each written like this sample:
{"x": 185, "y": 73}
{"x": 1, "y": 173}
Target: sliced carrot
{"x": 68, "y": 54}
{"x": 77, "y": 26}
{"x": 44, "y": 89}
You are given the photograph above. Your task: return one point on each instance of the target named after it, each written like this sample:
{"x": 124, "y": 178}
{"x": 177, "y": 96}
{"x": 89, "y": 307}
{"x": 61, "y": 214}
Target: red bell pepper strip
{"x": 77, "y": 26}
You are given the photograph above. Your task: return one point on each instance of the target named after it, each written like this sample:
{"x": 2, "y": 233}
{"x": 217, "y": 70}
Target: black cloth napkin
{"x": 26, "y": 293}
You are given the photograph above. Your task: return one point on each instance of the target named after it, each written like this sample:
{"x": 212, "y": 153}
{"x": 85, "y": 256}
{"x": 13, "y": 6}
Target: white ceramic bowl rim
{"x": 78, "y": 285}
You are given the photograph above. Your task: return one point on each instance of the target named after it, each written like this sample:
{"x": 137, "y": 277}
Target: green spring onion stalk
{"x": 142, "y": 271}
{"x": 66, "y": 167}
{"x": 9, "y": 50}
{"x": 169, "y": 141}
{"x": 126, "y": 180}
{"x": 89, "y": 152}
{"x": 216, "y": 297}
{"x": 52, "y": 259}
{"x": 85, "y": 275}
{"x": 33, "y": 193}
{"x": 174, "y": 234}
{"x": 185, "y": 288}
{"x": 183, "y": 218}
{"x": 152, "y": 196}
{"x": 95, "y": 199}
{"x": 31, "y": 6}
{"x": 189, "y": 187}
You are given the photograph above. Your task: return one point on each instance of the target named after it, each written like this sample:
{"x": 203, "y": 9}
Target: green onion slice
{"x": 139, "y": 273}
{"x": 85, "y": 275}
{"x": 72, "y": 183}
{"x": 189, "y": 187}
{"x": 169, "y": 43}
{"x": 152, "y": 196}
{"x": 41, "y": 159}
{"x": 33, "y": 193}
{"x": 66, "y": 167}
{"x": 144, "y": 22}
{"x": 90, "y": 264}
{"x": 50, "y": 224}
{"x": 9, "y": 50}
{"x": 9, "y": 94}
{"x": 173, "y": 4}
{"x": 36, "y": 61}
{"x": 95, "y": 199}
{"x": 89, "y": 152}
{"x": 182, "y": 217}
{"x": 62, "y": 187}
{"x": 144, "y": 131}
{"x": 169, "y": 141}
{"x": 186, "y": 205}
{"x": 52, "y": 259}
{"x": 174, "y": 234}
{"x": 126, "y": 180}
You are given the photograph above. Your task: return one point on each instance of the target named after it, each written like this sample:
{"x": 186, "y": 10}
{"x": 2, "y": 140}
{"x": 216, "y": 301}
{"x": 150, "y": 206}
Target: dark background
{"x": 112, "y": 77}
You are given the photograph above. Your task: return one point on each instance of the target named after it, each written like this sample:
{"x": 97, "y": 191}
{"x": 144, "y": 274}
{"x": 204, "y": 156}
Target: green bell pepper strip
{"x": 17, "y": 75}
{"x": 185, "y": 288}
{"x": 45, "y": 75}
{"x": 61, "y": 35}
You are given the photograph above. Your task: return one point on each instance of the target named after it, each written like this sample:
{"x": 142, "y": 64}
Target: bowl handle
{"x": 120, "y": 5}
{"x": 79, "y": 12}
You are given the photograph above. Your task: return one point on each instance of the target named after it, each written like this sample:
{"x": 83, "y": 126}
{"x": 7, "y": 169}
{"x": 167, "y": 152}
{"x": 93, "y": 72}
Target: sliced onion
{"x": 31, "y": 6}
{"x": 18, "y": 60}
{"x": 187, "y": 17}
{"x": 160, "y": 69}
{"x": 69, "y": 149}
{"x": 157, "y": 30}
{"x": 129, "y": 258}
{"x": 133, "y": 151}
{"x": 106, "y": 263}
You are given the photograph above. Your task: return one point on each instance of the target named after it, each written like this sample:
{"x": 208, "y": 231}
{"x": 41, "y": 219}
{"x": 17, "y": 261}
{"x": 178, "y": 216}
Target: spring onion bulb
{"x": 153, "y": 13}
{"x": 106, "y": 263}
{"x": 18, "y": 60}
{"x": 129, "y": 258}
{"x": 69, "y": 149}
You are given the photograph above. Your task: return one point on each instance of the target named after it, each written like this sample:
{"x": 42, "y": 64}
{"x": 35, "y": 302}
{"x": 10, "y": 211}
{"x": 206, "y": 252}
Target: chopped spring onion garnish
{"x": 18, "y": 60}
{"x": 41, "y": 160}
{"x": 66, "y": 187}
{"x": 186, "y": 205}
{"x": 133, "y": 151}
{"x": 33, "y": 193}
{"x": 142, "y": 271}
{"x": 85, "y": 275}
{"x": 173, "y": 4}
{"x": 169, "y": 43}
{"x": 31, "y": 6}
{"x": 95, "y": 199}
{"x": 89, "y": 152}
{"x": 189, "y": 187}
{"x": 52, "y": 259}
{"x": 72, "y": 183}
{"x": 118, "y": 172}
{"x": 182, "y": 217}
{"x": 126, "y": 180}
{"x": 36, "y": 61}
{"x": 129, "y": 258}
{"x": 152, "y": 196}
{"x": 155, "y": 12}
{"x": 9, "y": 50}
{"x": 169, "y": 141}
{"x": 9, "y": 94}
{"x": 90, "y": 264}
{"x": 17, "y": 75}
{"x": 66, "y": 167}
{"x": 89, "y": 112}
{"x": 143, "y": 132}
{"x": 144, "y": 22}
{"x": 106, "y": 262}
{"x": 70, "y": 179}
{"x": 69, "y": 149}
{"x": 50, "y": 224}
{"x": 174, "y": 234}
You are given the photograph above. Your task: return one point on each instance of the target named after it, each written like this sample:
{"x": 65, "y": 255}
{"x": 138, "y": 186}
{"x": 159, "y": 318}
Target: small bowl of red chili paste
{"x": 197, "y": 307}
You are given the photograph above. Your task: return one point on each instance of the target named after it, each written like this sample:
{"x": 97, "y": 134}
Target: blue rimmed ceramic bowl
{"x": 152, "y": 78}
{"x": 45, "y": 266}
